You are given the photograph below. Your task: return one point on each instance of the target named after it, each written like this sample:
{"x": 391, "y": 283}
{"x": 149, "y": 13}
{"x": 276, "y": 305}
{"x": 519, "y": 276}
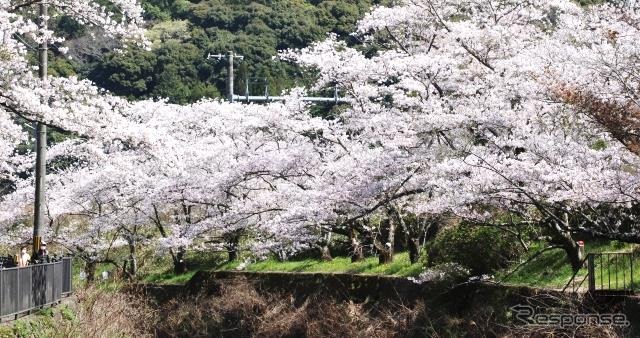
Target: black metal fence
{"x": 607, "y": 272}
{"x": 34, "y": 286}
{"x": 616, "y": 271}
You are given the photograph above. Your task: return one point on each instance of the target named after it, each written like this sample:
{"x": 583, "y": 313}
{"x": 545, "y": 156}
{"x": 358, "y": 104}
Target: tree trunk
{"x": 179, "y": 264}
{"x": 411, "y": 238}
{"x": 90, "y": 270}
{"x": 325, "y": 253}
{"x": 562, "y": 236}
{"x": 232, "y": 253}
{"x": 232, "y": 243}
{"x": 357, "y": 253}
{"x": 414, "y": 249}
{"x": 385, "y": 251}
{"x": 133, "y": 261}
{"x": 385, "y": 256}
{"x": 575, "y": 257}
{"x": 232, "y": 240}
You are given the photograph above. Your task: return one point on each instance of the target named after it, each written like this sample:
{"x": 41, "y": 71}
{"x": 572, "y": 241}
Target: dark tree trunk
{"x": 357, "y": 253}
{"x": 385, "y": 256}
{"x": 179, "y": 263}
{"x": 232, "y": 253}
{"x": 412, "y": 233}
{"x": 90, "y": 271}
{"x": 562, "y": 236}
{"x": 133, "y": 261}
{"x": 232, "y": 245}
{"x": 574, "y": 255}
{"x": 414, "y": 249}
{"x": 385, "y": 250}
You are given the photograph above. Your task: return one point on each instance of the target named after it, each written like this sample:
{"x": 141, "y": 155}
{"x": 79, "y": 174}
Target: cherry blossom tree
{"x": 67, "y": 103}
{"x": 201, "y": 175}
{"x": 469, "y": 108}
{"x": 71, "y": 105}
{"x": 454, "y": 101}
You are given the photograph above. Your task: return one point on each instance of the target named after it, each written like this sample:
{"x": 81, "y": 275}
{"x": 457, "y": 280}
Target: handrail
{"x": 581, "y": 282}
{"x": 30, "y": 265}
{"x": 575, "y": 273}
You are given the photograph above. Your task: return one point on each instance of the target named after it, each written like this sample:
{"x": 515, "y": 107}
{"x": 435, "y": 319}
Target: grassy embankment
{"x": 401, "y": 266}
{"x": 549, "y": 270}
{"x": 552, "y": 270}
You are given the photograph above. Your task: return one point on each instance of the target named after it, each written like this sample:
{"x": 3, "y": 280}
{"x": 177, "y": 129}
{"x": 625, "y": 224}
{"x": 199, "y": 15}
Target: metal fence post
{"x": 17, "y": 298}
{"x": 55, "y": 295}
{"x": 32, "y": 298}
{"x": 66, "y": 276}
{"x": 591, "y": 272}
{"x": 1, "y": 292}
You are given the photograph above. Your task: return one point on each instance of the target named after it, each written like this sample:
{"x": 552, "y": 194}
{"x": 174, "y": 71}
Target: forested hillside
{"x": 183, "y": 33}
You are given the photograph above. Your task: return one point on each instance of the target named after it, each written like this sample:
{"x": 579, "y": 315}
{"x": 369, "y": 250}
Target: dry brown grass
{"x": 239, "y": 310}
{"x": 110, "y": 314}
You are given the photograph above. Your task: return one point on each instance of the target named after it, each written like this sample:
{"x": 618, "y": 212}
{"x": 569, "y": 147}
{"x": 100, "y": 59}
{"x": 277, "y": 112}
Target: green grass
{"x": 552, "y": 269}
{"x": 613, "y": 272}
{"x": 108, "y": 285}
{"x": 161, "y": 271}
{"x": 401, "y": 266}
{"x": 549, "y": 270}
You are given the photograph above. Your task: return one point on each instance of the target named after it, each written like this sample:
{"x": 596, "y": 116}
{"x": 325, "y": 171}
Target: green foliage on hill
{"x": 183, "y": 33}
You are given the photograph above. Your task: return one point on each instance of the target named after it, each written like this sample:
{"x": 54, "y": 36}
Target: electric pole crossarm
{"x": 230, "y": 56}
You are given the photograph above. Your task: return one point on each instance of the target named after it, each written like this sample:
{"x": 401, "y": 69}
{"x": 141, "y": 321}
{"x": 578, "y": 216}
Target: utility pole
{"x": 230, "y": 57}
{"x": 41, "y": 142}
{"x": 230, "y": 75}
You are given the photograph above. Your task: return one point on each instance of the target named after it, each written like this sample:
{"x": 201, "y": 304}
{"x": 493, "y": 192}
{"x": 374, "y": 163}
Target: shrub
{"x": 481, "y": 249}
{"x": 446, "y": 274}
{"x": 6, "y": 332}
